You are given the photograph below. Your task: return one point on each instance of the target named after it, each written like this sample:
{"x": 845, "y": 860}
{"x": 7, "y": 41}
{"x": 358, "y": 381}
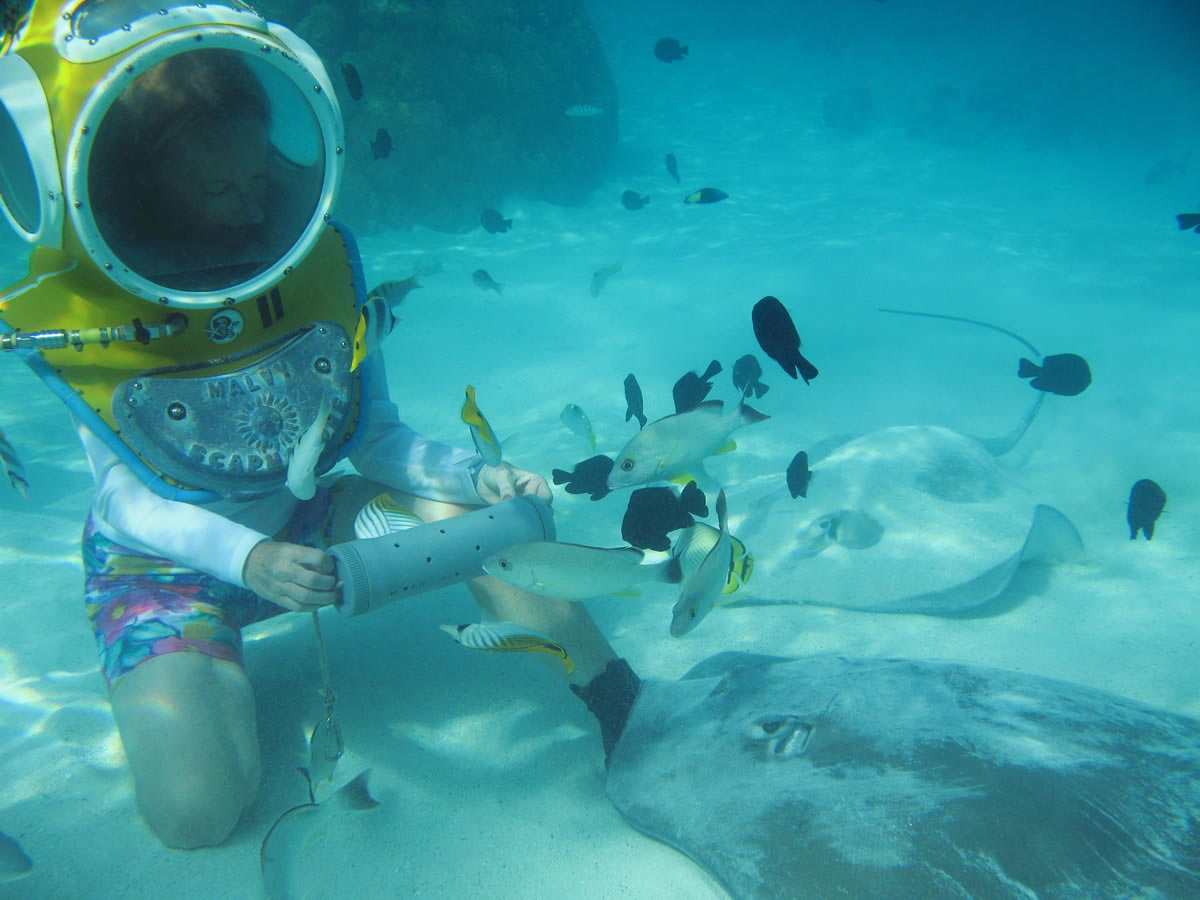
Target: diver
{"x": 192, "y": 303}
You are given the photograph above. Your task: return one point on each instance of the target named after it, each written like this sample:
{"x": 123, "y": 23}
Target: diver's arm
{"x": 129, "y": 512}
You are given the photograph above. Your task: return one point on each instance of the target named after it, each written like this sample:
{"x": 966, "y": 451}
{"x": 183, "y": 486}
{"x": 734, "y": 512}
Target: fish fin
{"x": 629, "y": 593}
{"x": 760, "y": 389}
{"x": 1188, "y": 221}
{"x": 712, "y": 404}
{"x": 693, "y": 499}
{"x": 750, "y": 415}
{"x": 728, "y": 447}
{"x": 360, "y": 343}
{"x": 1027, "y": 369}
{"x": 683, "y": 478}
{"x": 560, "y": 476}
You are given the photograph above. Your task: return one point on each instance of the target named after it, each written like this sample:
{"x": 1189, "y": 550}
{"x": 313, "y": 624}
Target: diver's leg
{"x": 187, "y": 722}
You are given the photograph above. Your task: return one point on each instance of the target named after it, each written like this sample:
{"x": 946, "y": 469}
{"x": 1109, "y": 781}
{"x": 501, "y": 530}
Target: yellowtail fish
{"x": 381, "y": 516}
{"x": 600, "y": 276}
{"x": 14, "y": 863}
{"x": 576, "y": 420}
{"x": 675, "y": 447}
{"x": 577, "y": 572}
{"x": 486, "y": 444}
{"x": 12, "y": 467}
{"x": 302, "y": 467}
{"x": 507, "y": 637}
{"x": 703, "y": 588}
{"x": 375, "y": 322}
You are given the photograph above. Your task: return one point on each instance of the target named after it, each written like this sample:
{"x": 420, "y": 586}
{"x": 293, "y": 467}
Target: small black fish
{"x": 1062, "y": 373}
{"x": 633, "y": 401}
{"x": 493, "y": 222}
{"x": 705, "y": 195}
{"x": 1146, "y": 502}
{"x": 588, "y": 477}
{"x": 672, "y": 167}
{"x": 655, "y": 512}
{"x": 1189, "y": 221}
{"x": 353, "y": 82}
{"x": 381, "y": 147}
{"x": 634, "y": 200}
{"x": 486, "y": 282}
{"x": 691, "y": 389}
{"x": 746, "y": 375}
{"x": 670, "y": 50}
{"x": 777, "y": 336}
{"x": 798, "y": 475}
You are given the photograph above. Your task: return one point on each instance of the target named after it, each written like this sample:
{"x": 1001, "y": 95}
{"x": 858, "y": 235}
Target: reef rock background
{"x": 473, "y": 94}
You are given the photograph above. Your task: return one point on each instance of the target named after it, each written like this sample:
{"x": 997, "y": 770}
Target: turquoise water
{"x": 1009, "y": 169}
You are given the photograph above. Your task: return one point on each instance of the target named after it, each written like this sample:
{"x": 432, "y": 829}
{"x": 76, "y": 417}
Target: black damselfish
{"x": 746, "y": 375}
{"x": 672, "y": 167}
{"x": 381, "y": 147}
{"x": 1189, "y": 221}
{"x": 798, "y": 475}
{"x": 588, "y": 477}
{"x": 632, "y": 200}
{"x": 776, "y": 334}
{"x": 654, "y": 512}
{"x": 1063, "y": 373}
{"x": 691, "y": 389}
{"x": 633, "y": 401}
{"x": 1146, "y": 502}
{"x": 493, "y": 222}
{"x": 669, "y": 50}
{"x": 353, "y": 82}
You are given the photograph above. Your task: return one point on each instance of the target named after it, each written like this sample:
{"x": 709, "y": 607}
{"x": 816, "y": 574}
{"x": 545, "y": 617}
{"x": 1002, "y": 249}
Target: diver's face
{"x": 216, "y": 175}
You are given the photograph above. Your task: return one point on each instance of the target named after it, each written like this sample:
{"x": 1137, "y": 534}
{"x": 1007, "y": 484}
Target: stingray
{"x": 835, "y": 777}
{"x": 908, "y": 519}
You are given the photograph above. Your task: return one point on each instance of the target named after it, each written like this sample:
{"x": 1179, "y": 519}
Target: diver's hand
{"x": 294, "y": 577}
{"x": 496, "y": 483}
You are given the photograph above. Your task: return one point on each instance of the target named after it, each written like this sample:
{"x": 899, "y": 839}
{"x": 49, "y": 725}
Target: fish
{"x": 283, "y": 848}
{"x": 375, "y": 322}
{"x": 13, "y": 468}
{"x": 703, "y": 587}
{"x": 395, "y": 291}
{"x": 633, "y": 401}
{"x": 1189, "y": 221}
{"x": 1062, "y": 373}
{"x": 14, "y": 863}
{"x": 1146, "y": 502}
{"x": 672, "y": 166}
{"x": 677, "y": 445}
{"x": 1168, "y": 168}
{"x": 776, "y": 334}
{"x": 383, "y": 515}
{"x": 691, "y": 389}
{"x": 507, "y": 637}
{"x": 485, "y": 282}
{"x": 746, "y": 375}
{"x": 493, "y": 222}
{"x": 669, "y": 50}
{"x": 381, "y": 145}
{"x": 837, "y": 776}
{"x": 798, "y": 475}
{"x": 588, "y": 477}
{"x": 325, "y": 748}
{"x": 632, "y": 200}
{"x": 486, "y": 443}
{"x": 302, "y": 463}
{"x": 353, "y": 83}
{"x": 706, "y": 195}
{"x": 600, "y": 277}
{"x": 576, "y": 571}
{"x": 577, "y": 421}
{"x": 583, "y": 111}
{"x": 655, "y": 512}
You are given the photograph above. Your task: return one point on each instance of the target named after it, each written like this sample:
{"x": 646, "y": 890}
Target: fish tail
{"x": 1188, "y": 220}
{"x": 1027, "y": 369}
{"x": 749, "y": 415}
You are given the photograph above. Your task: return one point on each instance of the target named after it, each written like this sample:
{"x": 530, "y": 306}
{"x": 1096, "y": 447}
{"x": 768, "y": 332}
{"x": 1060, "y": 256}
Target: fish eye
{"x": 503, "y": 564}
{"x": 627, "y": 465}
{"x": 692, "y": 613}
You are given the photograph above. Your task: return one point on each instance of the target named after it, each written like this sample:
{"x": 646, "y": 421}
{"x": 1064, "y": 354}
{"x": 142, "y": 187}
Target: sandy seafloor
{"x": 489, "y": 771}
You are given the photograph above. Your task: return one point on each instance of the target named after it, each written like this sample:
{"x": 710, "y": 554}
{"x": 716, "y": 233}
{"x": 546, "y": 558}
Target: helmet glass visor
{"x": 206, "y": 170}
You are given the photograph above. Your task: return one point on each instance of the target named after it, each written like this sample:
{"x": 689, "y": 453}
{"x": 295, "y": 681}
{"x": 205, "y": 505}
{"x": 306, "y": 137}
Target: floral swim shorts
{"x": 142, "y": 606}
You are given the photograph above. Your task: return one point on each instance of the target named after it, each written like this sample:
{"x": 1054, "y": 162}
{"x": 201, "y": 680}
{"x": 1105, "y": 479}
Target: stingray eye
{"x": 770, "y": 726}
{"x": 627, "y": 464}
{"x": 825, "y": 524}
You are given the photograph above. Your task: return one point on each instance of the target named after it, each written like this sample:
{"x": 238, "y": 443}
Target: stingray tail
{"x": 989, "y": 325}
{"x": 998, "y": 446}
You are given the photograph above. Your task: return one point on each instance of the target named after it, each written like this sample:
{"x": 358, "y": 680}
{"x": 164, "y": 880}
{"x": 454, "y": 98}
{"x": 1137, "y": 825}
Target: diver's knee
{"x": 192, "y": 812}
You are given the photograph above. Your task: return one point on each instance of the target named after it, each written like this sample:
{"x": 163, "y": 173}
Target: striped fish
{"x": 583, "y": 111}
{"x": 375, "y": 322}
{"x": 12, "y": 467}
{"x": 702, "y": 588}
{"x": 381, "y": 516}
{"x": 486, "y": 443}
{"x": 507, "y": 637}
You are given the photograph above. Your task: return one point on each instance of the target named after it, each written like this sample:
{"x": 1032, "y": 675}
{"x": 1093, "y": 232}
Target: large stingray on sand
{"x": 907, "y": 519}
{"x": 834, "y": 777}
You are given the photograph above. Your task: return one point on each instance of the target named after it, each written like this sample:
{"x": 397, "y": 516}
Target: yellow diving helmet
{"x": 87, "y": 172}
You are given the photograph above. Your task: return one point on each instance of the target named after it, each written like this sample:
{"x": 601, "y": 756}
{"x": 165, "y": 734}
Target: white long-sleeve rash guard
{"x": 217, "y": 537}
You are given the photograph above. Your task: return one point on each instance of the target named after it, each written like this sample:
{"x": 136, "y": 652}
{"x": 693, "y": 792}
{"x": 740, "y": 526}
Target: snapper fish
{"x": 577, "y": 421}
{"x": 675, "y": 447}
{"x": 486, "y": 282}
{"x": 302, "y": 466}
{"x": 12, "y": 467}
{"x": 576, "y": 571}
{"x": 486, "y": 443}
{"x": 507, "y": 637}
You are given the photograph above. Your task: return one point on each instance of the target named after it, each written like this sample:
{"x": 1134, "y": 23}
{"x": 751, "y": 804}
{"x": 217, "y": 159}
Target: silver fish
{"x": 575, "y": 571}
{"x": 703, "y": 588}
{"x": 486, "y": 282}
{"x": 325, "y": 748}
{"x": 576, "y": 420}
{"x": 302, "y": 466}
{"x": 600, "y": 277}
